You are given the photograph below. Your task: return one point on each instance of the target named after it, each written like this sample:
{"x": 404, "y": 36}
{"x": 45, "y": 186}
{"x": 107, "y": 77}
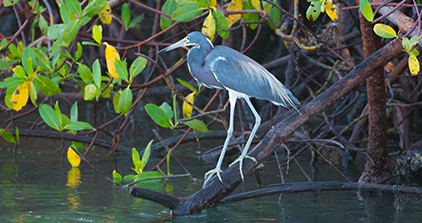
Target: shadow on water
{"x": 38, "y": 186}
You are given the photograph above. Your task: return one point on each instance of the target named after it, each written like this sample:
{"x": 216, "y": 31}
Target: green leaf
{"x": 139, "y": 167}
{"x": 275, "y": 15}
{"x": 33, "y": 94}
{"x": 134, "y": 21}
{"x": 89, "y": 43}
{"x": 41, "y": 60}
{"x": 8, "y": 97}
{"x": 168, "y": 161}
{"x": 250, "y": 17}
{"x": 3, "y": 44}
{"x": 97, "y": 34}
{"x": 169, "y": 7}
{"x": 58, "y": 114}
{"x": 137, "y": 67}
{"x": 56, "y": 48}
{"x": 384, "y": 31}
{"x": 366, "y": 10}
{"x": 8, "y": 3}
{"x": 84, "y": 20}
{"x": 125, "y": 100}
{"x": 47, "y": 86}
{"x": 188, "y": 12}
{"x": 55, "y": 31}
{"x": 27, "y": 55}
{"x": 30, "y": 69}
{"x": 121, "y": 70}
{"x": 49, "y": 116}
{"x": 78, "y": 52}
{"x": 71, "y": 31}
{"x": 117, "y": 177}
{"x": 135, "y": 156}
{"x": 94, "y": 7}
{"x": 158, "y": 115}
{"x": 126, "y": 15}
{"x": 19, "y": 71}
{"x": 197, "y": 125}
{"x": 42, "y": 23}
{"x": 78, "y": 125}
{"x": 314, "y": 10}
{"x": 15, "y": 50}
{"x": 174, "y": 111}
{"x": 7, "y": 136}
{"x": 74, "y": 6}
{"x": 116, "y": 100}
{"x": 96, "y": 69}
{"x": 11, "y": 82}
{"x": 147, "y": 153}
{"x": 90, "y": 91}
{"x": 74, "y": 112}
{"x": 66, "y": 121}
{"x": 415, "y": 52}
{"x": 406, "y": 44}
{"x": 85, "y": 73}
{"x": 107, "y": 91}
{"x": 147, "y": 175}
{"x": 55, "y": 61}
{"x": 186, "y": 84}
{"x": 413, "y": 41}
{"x": 167, "y": 109}
{"x": 129, "y": 178}
{"x": 65, "y": 13}
{"x": 191, "y": 2}
{"x": 221, "y": 23}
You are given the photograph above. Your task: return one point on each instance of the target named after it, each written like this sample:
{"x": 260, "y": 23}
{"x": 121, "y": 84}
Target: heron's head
{"x": 193, "y": 39}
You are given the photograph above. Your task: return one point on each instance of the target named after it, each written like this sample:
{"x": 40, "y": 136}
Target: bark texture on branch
{"x": 376, "y": 167}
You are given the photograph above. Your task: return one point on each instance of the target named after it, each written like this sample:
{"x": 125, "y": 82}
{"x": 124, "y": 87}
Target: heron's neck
{"x": 196, "y": 56}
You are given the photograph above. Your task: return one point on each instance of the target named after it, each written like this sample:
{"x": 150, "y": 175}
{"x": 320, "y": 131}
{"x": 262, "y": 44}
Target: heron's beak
{"x": 183, "y": 42}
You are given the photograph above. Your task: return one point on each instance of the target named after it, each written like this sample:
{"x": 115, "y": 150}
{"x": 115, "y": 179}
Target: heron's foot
{"x": 211, "y": 173}
{"x": 240, "y": 160}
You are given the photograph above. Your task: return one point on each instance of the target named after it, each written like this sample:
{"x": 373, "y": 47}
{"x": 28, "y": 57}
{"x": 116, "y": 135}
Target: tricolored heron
{"x": 224, "y": 68}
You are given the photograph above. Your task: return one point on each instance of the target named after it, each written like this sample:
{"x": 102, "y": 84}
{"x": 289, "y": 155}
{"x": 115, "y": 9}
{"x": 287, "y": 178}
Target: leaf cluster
{"x": 139, "y": 166}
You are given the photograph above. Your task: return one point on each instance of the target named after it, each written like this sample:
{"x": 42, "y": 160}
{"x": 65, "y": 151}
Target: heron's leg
{"x": 248, "y": 143}
{"x": 217, "y": 169}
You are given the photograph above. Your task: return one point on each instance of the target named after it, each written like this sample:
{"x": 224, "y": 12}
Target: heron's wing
{"x": 240, "y": 73}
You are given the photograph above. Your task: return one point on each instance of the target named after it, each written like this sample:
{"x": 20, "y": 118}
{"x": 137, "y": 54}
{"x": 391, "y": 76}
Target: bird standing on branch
{"x": 224, "y": 68}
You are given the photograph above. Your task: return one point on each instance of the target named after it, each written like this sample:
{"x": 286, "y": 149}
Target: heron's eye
{"x": 187, "y": 38}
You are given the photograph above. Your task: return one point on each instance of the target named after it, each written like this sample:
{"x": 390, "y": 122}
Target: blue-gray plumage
{"x": 224, "y": 68}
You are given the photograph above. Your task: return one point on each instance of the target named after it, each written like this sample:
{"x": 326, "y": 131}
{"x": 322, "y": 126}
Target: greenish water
{"x": 38, "y": 186}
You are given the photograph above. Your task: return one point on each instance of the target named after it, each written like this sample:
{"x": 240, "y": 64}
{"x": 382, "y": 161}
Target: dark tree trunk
{"x": 376, "y": 167}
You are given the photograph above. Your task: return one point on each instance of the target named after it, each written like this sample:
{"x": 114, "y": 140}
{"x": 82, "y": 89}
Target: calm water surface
{"x": 39, "y": 186}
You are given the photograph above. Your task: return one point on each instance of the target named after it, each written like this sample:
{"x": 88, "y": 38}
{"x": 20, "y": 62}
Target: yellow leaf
{"x": 111, "y": 55}
{"x": 105, "y": 14}
{"x": 208, "y": 27}
{"x": 234, "y": 5}
{"x": 267, "y": 7}
{"x": 256, "y": 4}
{"x": 384, "y": 31}
{"x": 187, "y": 109}
{"x": 73, "y": 157}
{"x": 213, "y": 3}
{"x": 20, "y": 96}
{"x": 413, "y": 64}
{"x": 331, "y": 10}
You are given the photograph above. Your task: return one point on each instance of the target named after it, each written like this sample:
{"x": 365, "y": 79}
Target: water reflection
{"x": 73, "y": 182}
{"x": 41, "y": 187}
